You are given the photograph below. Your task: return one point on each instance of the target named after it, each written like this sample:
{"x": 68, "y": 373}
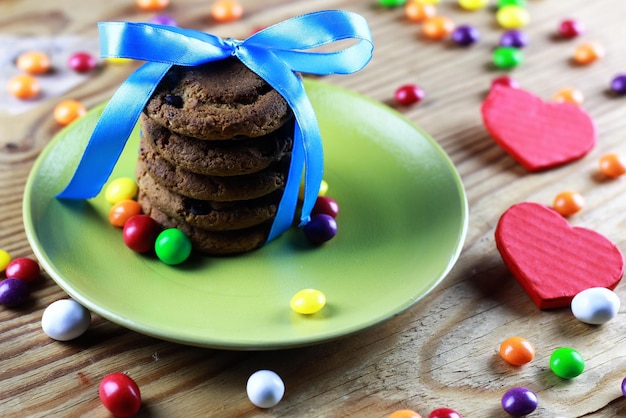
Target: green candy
{"x": 567, "y": 363}
{"x": 520, "y": 3}
{"x": 172, "y": 246}
{"x": 391, "y": 3}
{"x": 507, "y": 57}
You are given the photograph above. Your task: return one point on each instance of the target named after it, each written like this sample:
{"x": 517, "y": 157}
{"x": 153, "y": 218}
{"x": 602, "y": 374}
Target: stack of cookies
{"x": 214, "y": 155}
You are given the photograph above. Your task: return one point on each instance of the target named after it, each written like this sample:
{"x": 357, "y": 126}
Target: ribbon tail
{"x": 112, "y": 131}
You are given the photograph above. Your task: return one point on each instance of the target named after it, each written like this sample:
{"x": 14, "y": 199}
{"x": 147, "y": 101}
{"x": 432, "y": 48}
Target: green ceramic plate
{"x": 402, "y": 225}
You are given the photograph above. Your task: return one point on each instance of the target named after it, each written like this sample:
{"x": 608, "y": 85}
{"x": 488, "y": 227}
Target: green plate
{"x": 402, "y": 224}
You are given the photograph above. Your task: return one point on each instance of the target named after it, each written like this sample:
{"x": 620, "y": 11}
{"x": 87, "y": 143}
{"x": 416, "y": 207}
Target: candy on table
{"x": 326, "y": 205}
{"x": 13, "y": 292}
{"x": 34, "y": 62}
{"x": 117, "y": 61}
{"x": 166, "y": 20}
{"x": 24, "y": 86}
{"x": 308, "y": 301}
{"x": 507, "y": 57}
{"x": 392, "y": 3}
{"x": 68, "y": 111}
{"x": 444, "y": 413}
{"x": 82, "y": 62}
{"x": 265, "y": 388}
{"x": 172, "y": 246}
{"x": 568, "y": 203}
{"x": 465, "y": 35}
{"x": 537, "y": 134}
{"x": 5, "y": 259}
{"x": 506, "y": 81}
{"x": 404, "y": 413}
{"x": 503, "y": 3}
{"x": 409, "y": 94}
{"x": 519, "y": 401}
{"x": 556, "y": 246}
{"x": 122, "y": 211}
{"x": 120, "y": 394}
{"x": 140, "y": 233}
{"x": 65, "y": 320}
{"x": 515, "y": 38}
{"x": 595, "y": 306}
{"x": 618, "y": 84}
{"x": 437, "y": 27}
{"x": 419, "y": 11}
{"x": 473, "y": 4}
{"x": 612, "y": 165}
{"x": 320, "y": 229}
{"x": 23, "y": 268}
{"x": 567, "y": 363}
{"x": 624, "y": 387}
{"x": 569, "y": 95}
{"x": 570, "y": 28}
{"x": 226, "y": 10}
{"x": 587, "y": 53}
{"x": 517, "y": 351}
{"x": 122, "y": 188}
{"x": 512, "y": 17}
{"x": 153, "y": 5}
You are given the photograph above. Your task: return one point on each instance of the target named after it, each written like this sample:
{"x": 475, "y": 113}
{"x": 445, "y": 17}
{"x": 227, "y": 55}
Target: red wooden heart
{"x": 538, "y": 134}
{"x": 552, "y": 260}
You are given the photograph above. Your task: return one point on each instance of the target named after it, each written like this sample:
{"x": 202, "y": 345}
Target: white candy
{"x": 595, "y": 306}
{"x": 65, "y": 320}
{"x": 265, "y": 388}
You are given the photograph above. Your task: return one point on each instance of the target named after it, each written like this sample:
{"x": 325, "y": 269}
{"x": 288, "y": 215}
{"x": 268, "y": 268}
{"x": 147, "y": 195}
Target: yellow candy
{"x": 473, "y": 4}
{"x": 308, "y": 301}
{"x": 120, "y": 189}
{"x": 322, "y": 191}
{"x": 5, "y": 259}
{"x": 512, "y": 17}
{"x": 117, "y": 61}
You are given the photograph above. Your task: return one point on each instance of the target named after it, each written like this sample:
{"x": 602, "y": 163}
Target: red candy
{"x": 82, "y": 62}
{"x": 506, "y": 81}
{"x": 570, "y": 28}
{"x": 140, "y": 233}
{"x": 120, "y": 395}
{"x": 23, "y": 268}
{"x": 325, "y": 205}
{"x": 409, "y": 94}
{"x": 444, "y": 413}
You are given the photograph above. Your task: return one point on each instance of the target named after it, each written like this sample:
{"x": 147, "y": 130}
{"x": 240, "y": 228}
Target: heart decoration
{"x": 552, "y": 260}
{"x": 537, "y": 134}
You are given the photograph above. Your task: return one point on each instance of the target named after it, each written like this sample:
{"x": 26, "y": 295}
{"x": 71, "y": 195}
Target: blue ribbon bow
{"x": 275, "y": 54}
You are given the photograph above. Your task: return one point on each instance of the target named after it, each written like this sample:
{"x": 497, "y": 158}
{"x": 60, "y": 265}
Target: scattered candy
{"x": 123, "y": 188}
{"x": 624, "y": 387}
{"x": 517, "y": 351}
{"x": 570, "y": 28}
{"x": 512, "y": 17}
{"x": 172, "y": 246}
{"x": 34, "y": 62}
{"x": 409, "y": 94}
{"x": 68, "y": 111}
{"x": 24, "y": 86}
{"x": 612, "y": 165}
{"x": 5, "y": 259}
{"x": 503, "y": 3}
{"x": 556, "y": 246}
{"x": 437, "y": 27}
{"x": 140, "y": 233}
{"x": 568, "y": 203}
{"x": 473, "y": 4}
{"x": 514, "y": 38}
{"x": 325, "y": 205}
{"x": 227, "y": 10}
{"x": 587, "y": 53}
{"x": 122, "y": 211}
{"x": 117, "y": 61}
{"x": 65, "y": 320}
{"x": 444, "y": 413}
{"x": 404, "y": 413}
{"x": 323, "y": 188}
{"x": 519, "y": 401}
{"x": 618, "y": 84}
{"x": 163, "y": 20}
{"x": 506, "y": 81}
{"x": 152, "y": 5}
{"x": 596, "y": 305}
{"x": 321, "y": 228}
{"x": 13, "y": 292}
{"x": 308, "y": 301}
{"x": 566, "y": 363}
{"x": 265, "y": 388}
{"x": 465, "y": 35}
{"x": 120, "y": 395}
{"x": 391, "y": 3}
{"x": 23, "y": 268}
{"x": 507, "y": 57}
{"x": 569, "y": 95}
{"x": 82, "y": 62}
{"x": 419, "y": 11}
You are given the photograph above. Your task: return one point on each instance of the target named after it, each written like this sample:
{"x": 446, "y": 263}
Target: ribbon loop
{"x": 276, "y": 54}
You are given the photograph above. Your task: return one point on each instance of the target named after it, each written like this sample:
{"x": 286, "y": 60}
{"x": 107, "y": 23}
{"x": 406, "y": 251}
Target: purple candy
{"x": 13, "y": 292}
{"x": 163, "y": 20}
{"x": 519, "y": 401}
{"x": 618, "y": 84}
{"x": 320, "y": 229}
{"x": 624, "y": 386}
{"x": 514, "y": 38}
{"x": 465, "y": 35}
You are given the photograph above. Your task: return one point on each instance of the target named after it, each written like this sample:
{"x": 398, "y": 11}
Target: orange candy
{"x": 587, "y": 53}
{"x": 33, "y": 62}
{"x": 569, "y": 95}
{"x": 612, "y": 165}
{"x": 419, "y": 11}
{"x": 152, "y": 5}
{"x": 226, "y": 10}
{"x": 404, "y": 413}
{"x": 68, "y": 111}
{"x": 122, "y": 211}
{"x": 437, "y": 27}
{"x": 517, "y": 351}
{"x": 568, "y": 203}
{"x": 24, "y": 86}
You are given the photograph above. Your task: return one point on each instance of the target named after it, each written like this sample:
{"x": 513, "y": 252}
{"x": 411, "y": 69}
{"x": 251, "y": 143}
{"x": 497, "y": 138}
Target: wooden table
{"x": 441, "y": 352}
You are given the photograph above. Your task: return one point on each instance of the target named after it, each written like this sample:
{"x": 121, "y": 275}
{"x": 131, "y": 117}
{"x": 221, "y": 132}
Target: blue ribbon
{"x": 275, "y": 54}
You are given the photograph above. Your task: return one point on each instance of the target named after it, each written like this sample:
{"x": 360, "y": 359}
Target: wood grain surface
{"x": 441, "y": 352}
